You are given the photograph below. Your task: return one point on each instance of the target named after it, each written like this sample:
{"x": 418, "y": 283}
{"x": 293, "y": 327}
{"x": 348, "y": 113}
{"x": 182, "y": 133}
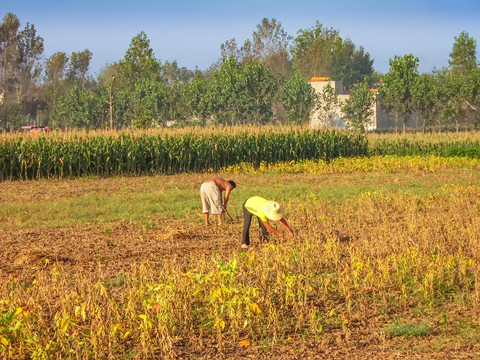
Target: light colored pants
{"x": 211, "y": 198}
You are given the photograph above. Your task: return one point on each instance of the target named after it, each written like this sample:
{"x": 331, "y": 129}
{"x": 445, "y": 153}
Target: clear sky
{"x": 191, "y": 31}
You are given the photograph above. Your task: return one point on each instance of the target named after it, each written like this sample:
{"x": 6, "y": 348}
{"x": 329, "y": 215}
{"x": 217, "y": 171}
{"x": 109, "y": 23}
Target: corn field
{"x": 61, "y": 156}
{"x": 418, "y": 144}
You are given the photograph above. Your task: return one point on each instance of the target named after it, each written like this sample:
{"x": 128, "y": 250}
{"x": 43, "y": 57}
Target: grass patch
{"x": 399, "y": 328}
{"x": 52, "y": 203}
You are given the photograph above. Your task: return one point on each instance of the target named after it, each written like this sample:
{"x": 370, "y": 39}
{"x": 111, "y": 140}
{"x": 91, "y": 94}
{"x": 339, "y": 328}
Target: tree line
{"x": 264, "y": 80}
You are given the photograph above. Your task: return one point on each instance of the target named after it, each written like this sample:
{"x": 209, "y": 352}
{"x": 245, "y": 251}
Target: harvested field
{"x": 108, "y": 248}
{"x": 387, "y": 274}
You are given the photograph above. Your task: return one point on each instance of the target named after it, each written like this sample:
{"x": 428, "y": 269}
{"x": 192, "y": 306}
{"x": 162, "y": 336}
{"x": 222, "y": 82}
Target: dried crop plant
{"x": 375, "y": 255}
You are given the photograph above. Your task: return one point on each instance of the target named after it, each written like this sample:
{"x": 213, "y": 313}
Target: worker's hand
{"x": 224, "y": 208}
{"x": 291, "y": 234}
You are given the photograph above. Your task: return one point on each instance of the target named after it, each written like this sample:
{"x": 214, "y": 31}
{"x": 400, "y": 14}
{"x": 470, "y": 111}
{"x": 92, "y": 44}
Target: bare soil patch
{"x": 105, "y": 250}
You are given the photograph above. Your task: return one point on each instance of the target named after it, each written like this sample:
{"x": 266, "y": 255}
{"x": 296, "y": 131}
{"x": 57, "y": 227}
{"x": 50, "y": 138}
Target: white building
{"x": 334, "y": 117}
{"x": 379, "y": 120}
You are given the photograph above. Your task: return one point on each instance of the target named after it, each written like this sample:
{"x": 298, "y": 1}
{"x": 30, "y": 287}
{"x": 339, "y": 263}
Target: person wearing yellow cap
{"x": 264, "y": 210}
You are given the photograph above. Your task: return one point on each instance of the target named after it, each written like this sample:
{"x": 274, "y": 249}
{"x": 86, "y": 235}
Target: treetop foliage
{"x": 264, "y": 80}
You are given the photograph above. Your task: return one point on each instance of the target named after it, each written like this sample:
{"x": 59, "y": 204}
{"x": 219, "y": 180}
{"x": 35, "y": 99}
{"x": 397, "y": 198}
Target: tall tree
{"x": 9, "y": 58}
{"x": 464, "y": 82}
{"x": 270, "y": 45}
{"x": 230, "y": 49}
{"x": 426, "y": 99}
{"x": 138, "y": 69}
{"x": 241, "y": 93}
{"x": 170, "y": 72}
{"x": 194, "y": 94}
{"x": 463, "y": 56}
{"x": 320, "y": 51}
{"x": 298, "y": 98}
{"x": 398, "y": 88}
{"x": 453, "y": 109}
{"x": 139, "y": 64}
{"x": 78, "y": 67}
{"x": 358, "y": 108}
{"x": 312, "y": 48}
{"x": 55, "y": 72}
{"x": 146, "y": 104}
{"x": 77, "y": 108}
{"x": 471, "y": 92}
{"x": 30, "y": 47}
{"x": 460, "y": 97}
{"x": 20, "y": 69}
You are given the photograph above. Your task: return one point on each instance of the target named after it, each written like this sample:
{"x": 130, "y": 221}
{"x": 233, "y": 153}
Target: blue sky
{"x": 191, "y": 32}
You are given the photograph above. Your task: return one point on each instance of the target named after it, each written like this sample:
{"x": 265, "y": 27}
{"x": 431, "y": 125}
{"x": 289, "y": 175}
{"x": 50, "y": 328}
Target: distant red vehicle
{"x": 32, "y": 129}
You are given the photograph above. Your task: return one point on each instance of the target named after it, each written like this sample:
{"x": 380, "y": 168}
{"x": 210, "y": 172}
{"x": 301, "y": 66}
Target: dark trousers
{"x": 247, "y": 220}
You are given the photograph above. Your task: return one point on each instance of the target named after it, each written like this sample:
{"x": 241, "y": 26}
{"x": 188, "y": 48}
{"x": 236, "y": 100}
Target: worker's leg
{"x": 263, "y": 232}
{"x": 204, "y": 196}
{"x": 219, "y": 216}
{"x": 247, "y": 220}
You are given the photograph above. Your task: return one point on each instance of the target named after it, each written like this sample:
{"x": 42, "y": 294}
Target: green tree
{"x": 459, "y": 97}
{"x": 77, "y": 108}
{"x": 327, "y": 104}
{"x": 9, "y": 58}
{"x": 30, "y": 48}
{"x": 137, "y": 77}
{"x": 55, "y": 72}
{"x": 269, "y": 45}
{"x": 453, "y": 109}
{"x": 173, "y": 107}
{"x": 146, "y": 104}
{"x": 426, "y": 98}
{"x": 459, "y": 85}
{"x": 471, "y": 94}
{"x": 463, "y": 56}
{"x": 464, "y": 80}
{"x": 398, "y": 88}
{"x": 171, "y": 73}
{"x": 20, "y": 52}
{"x": 361, "y": 66}
{"x": 298, "y": 98}
{"x": 320, "y": 51}
{"x": 259, "y": 89}
{"x": 138, "y": 65}
{"x": 196, "y": 99}
{"x": 312, "y": 48}
{"x": 358, "y": 108}
{"x": 78, "y": 67}
{"x": 241, "y": 93}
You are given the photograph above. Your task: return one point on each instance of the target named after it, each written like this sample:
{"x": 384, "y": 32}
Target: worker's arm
{"x": 285, "y": 224}
{"x": 271, "y": 229}
{"x": 228, "y": 189}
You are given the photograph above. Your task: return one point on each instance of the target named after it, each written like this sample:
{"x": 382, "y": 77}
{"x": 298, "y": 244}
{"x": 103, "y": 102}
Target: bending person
{"x": 211, "y": 195}
{"x": 264, "y": 210}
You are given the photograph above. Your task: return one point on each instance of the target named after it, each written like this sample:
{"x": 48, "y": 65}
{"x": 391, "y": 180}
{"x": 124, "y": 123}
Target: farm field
{"x": 385, "y": 264}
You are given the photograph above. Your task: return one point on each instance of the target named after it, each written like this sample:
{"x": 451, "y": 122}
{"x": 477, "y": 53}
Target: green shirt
{"x": 255, "y": 205}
